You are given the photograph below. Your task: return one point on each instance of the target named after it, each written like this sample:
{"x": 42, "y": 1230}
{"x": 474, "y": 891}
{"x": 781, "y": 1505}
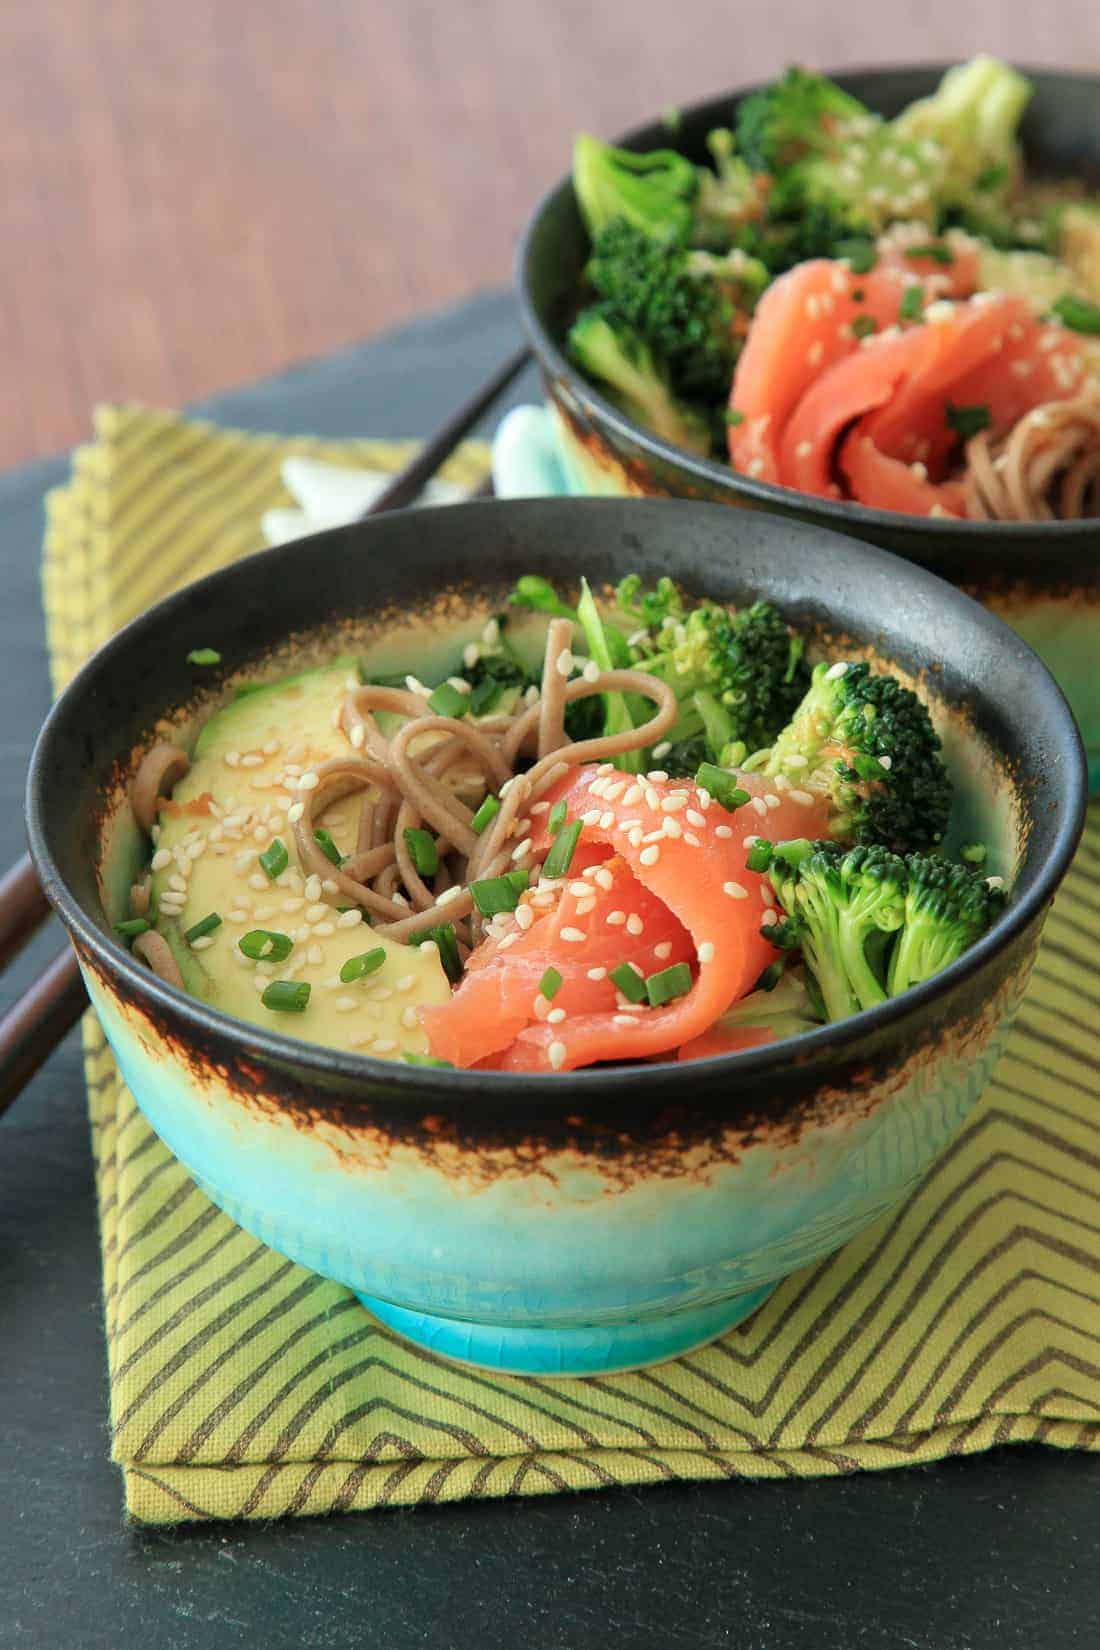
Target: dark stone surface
{"x": 996, "y": 1553}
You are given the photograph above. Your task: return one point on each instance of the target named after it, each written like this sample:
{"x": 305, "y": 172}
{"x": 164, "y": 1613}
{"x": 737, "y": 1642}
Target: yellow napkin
{"x": 245, "y": 1387}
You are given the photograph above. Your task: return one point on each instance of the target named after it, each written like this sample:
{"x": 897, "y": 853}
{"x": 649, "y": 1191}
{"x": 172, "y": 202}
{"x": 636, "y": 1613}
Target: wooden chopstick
{"x": 41, "y": 1017}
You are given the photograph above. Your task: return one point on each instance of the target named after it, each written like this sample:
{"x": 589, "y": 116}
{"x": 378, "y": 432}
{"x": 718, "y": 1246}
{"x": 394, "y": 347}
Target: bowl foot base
{"x": 596, "y": 1350}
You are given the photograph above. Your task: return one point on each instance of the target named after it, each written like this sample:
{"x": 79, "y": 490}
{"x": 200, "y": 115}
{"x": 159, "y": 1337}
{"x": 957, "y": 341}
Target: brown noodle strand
{"x": 559, "y": 637}
{"x": 154, "y": 949}
{"x": 159, "y": 769}
{"x": 1046, "y": 468}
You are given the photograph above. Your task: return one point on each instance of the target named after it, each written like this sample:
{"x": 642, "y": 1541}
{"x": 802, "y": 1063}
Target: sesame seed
{"x": 634, "y": 925}
{"x": 885, "y": 762}
{"x": 573, "y": 936}
{"x": 605, "y": 879}
{"x": 344, "y": 1005}
{"x": 672, "y": 828}
{"x": 521, "y": 848}
{"x": 756, "y": 467}
{"x": 657, "y": 776}
{"x": 232, "y": 759}
{"x": 585, "y": 907}
{"x": 633, "y": 795}
{"x": 405, "y": 983}
{"x": 409, "y": 1018}
{"x": 579, "y": 890}
{"x": 673, "y": 804}
{"x": 384, "y": 1045}
{"x": 692, "y": 840}
{"x": 308, "y": 782}
{"x": 768, "y": 919}
{"x": 749, "y": 841}
{"x": 203, "y": 943}
{"x": 759, "y": 805}
{"x": 766, "y": 895}
{"x": 358, "y": 736}
{"x": 835, "y": 672}
{"x": 556, "y": 1016}
{"x": 735, "y": 890}
{"x": 178, "y": 884}
{"x": 662, "y": 749}
{"x": 723, "y": 831}
{"x": 635, "y": 839}
{"x": 471, "y": 653}
{"x": 703, "y": 798}
{"x": 540, "y": 807}
{"x": 613, "y": 792}
{"x": 252, "y": 760}
{"x": 591, "y": 671}
{"x": 315, "y": 956}
{"x": 694, "y": 817}
{"x": 650, "y": 855}
{"x": 606, "y": 820}
{"x": 706, "y": 952}
{"x": 540, "y": 1008}
{"x": 524, "y": 918}
{"x": 563, "y": 664}
{"x": 615, "y": 919}
{"x": 771, "y": 800}
{"x": 328, "y": 886}
{"x": 449, "y": 894}
{"x": 592, "y": 817}
{"x": 796, "y": 761}
{"x": 349, "y": 919}
{"x": 556, "y": 1054}
{"x": 663, "y": 950}
{"x": 622, "y": 1019}
{"x": 803, "y": 798}
{"x": 324, "y": 929}
{"x": 597, "y": 973}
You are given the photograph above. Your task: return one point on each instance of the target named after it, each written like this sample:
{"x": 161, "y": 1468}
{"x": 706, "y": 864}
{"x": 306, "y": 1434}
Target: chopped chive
{"x": 967, "y": 421}
{"x": 445, "y": 940}
{"x": 427, "y": 1060}
{"x": 262, "y": 945}
{"x": 560, "y": 857}
{"x": 287, "y": 996}
{"x": 324, "y": 841}
{"x": 448, "y": 701}
{"x": 204, "y": 656}
{"x": 539, "y": 595}
{"x": 722, "y": 786}
{"x": 367, "y": 962}
{"x": 760, "y": 855}
{"x": 205, "y": 925}
{"x": 858, "y": 253}
{"x": 629, "y": 981}
{"x": 484, "y": 695}
{"x": 550, "y": 984}
{"x": 1077, "y": 313}
{"x": 275, "y": 859}
{"x": 863, "y": 326}
{"x": 132, "y": 927}
{"x": 422, "y": 851}
{"x": 932, "y": 249}
{"x": 733, "y": 417}
{"x": 557, "y": 817}
{"x": 912, "y": 303}
{"x": 495, "y": 894}
{"x": 488, "y": 811}
{"x": 771, "y": 976}
{"x": 668, "y": 984}
{"x": 991, "y": 178}
{"x": 974, "y": 853}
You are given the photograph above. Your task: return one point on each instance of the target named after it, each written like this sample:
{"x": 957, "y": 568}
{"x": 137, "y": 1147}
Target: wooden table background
{"x": 197, "y": 192}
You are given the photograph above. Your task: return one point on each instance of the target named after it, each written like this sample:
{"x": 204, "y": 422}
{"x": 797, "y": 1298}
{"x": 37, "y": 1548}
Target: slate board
{"x": 999, "y": 1551}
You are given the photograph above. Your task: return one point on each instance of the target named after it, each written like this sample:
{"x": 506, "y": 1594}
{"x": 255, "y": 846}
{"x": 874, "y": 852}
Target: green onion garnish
{"x": 557, "y": 817}
{"x": 967, "y": 421}
{"x": 629, "y": 981}
{"x": 488, "y": 811}
{"x": 495, "y": 894}
{"x": 262, "y": 945}
{"x": 287, "y": 996}
{"x": 932, "y": 249}
{"x": 863, "y": 326}
{"x": 324, "y": 841}
{"x": 422, "y": 851}
{"x": 132, "y": 927}
{"x": 427, "y": 1060}
{"x": 448, "y": 701}
{"x": 204, "y": 656}
{"x": 367, "y": 962}
{"x": 1077, "y": 313}
{"x": 550, "y": 984}
{"x": 733, "y": 417}
{"x": 205, "y": 925}
{"x": 445, "y": 940}
{"x": 540, "y": 595}
{"x": 560, "y": 857}
{"x": 484, "y": 695}
{"x": 912, "y": 303}
{"x": 668, "y": 984}
{"x": 722, "y": 786}
{"x": 771, "y": 976}
{"x": 858, "y": 253}
{"x": 760, "y": 855}
{"x": 275, "y": 859}
{"x": 972, "y": 852}
{"x": 991, "y": 178}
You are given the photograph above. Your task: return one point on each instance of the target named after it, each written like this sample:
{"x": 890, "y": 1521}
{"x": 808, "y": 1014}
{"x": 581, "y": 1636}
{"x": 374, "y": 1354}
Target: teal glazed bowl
{"x": 619, "y": 1215}
{"x": 1042, "y": 578}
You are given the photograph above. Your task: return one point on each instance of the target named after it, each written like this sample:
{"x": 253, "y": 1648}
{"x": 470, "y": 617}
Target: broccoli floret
{"x": 947, "y": 908}
{"x": 838, "y": 904}
{"x": 630, "y": 375}
{"x": 737, "y": 675}
{"x": 732, "y": 200}
{"x": 968, "y": 127}
{"x": 798, "y": 115}
{"x": 654, "y": 192}
{"x": 868, "y": 744}
{"x": 684, "y": 305}
{"x": 786, "y": 1009}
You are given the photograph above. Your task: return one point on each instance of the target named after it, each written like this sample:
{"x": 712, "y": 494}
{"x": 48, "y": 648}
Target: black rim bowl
{"x": 1060, "y": 135}
{"x": 401, "y": 563}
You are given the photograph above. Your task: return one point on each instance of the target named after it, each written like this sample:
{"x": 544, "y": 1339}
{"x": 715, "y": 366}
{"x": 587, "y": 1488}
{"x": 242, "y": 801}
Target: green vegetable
{"x": 287, "y": 996}
{"x": 967, "y": 421}
{"x": 1078, "y": 314}
{"x": 367, "y": 962}
{"x": 446, "y": 700}
{"x": 445, "y": 940}
{"x": 604, "y": 645}
{"x": 274, "y": 859}
{"x": 427, "y": 1060}
{"x": 653, "y": 191}
{"x": 488, "y": 811}
{"x": 495, "y": 894}
{"x": 869, "y": 743}
{"x": 733, "y": 417}
{"x": 668, "y": 984}
{"x": 935, "y": 250}
{"x": 541, "y": 597}
{"x": 947, "y": 908}
{"x": 629, "y": 981}
{"x": 722, "y": 786}
{"x": 564, "y": 846}
{"x": 859, "y": 254}
{"x": 132, "y": 927}
{"x": 971, "y": 122}
{"x": 974, "y": 853}
{"x": 550, "y": 984}
{"x": 422, "y": 851}
{"x": 557, "y": 817}
{"x": 759, "y": 856}
{"x": 204, "y": 656}
{"x": 912, "y": 304}
{"x": 262, "y": 945}
{"x": 863, "y": 326}
{"x": 323, "y": 839}
{"x": 625, "y": 368}
{"x": 205, "y": 925}
{"x": 786, "y": 1006}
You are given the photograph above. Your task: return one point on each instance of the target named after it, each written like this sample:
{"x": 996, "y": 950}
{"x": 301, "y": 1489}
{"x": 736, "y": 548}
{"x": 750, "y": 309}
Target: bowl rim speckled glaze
{"x": 653, "y": 1083}
{"x": 1065, "y": 536}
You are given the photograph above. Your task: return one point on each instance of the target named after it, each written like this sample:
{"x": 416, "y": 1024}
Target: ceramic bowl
{"x": 614, "y": 1216}
{"x": 1043, "y": 578}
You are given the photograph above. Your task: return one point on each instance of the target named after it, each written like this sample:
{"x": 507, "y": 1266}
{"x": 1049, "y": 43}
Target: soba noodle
{"x": 1046, "y": 468}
